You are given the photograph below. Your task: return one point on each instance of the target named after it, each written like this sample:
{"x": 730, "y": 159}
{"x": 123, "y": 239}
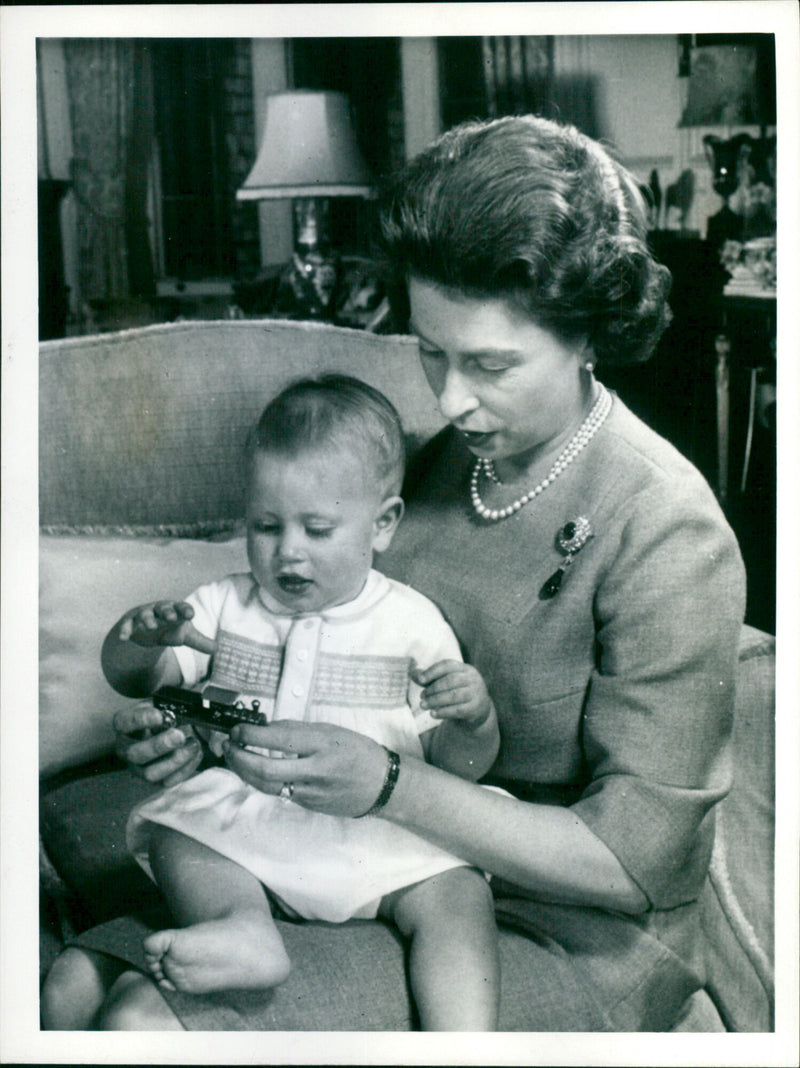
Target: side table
{"x": 746, "y": 338}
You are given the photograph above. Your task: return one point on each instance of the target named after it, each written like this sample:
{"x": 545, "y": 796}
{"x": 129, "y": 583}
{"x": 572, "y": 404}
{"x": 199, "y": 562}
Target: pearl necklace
{"x": 587, "y": 430}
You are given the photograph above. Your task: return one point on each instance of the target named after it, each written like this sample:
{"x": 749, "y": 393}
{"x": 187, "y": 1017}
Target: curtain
{"x": 548, "y": 76}
{"x": 574, "y": 90}
{"x": 519, "y": 75}
{"x": 110, "y": 102}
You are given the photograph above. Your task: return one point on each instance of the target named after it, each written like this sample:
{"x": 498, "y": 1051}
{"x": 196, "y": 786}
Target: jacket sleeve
{"x": 658, "y": 716}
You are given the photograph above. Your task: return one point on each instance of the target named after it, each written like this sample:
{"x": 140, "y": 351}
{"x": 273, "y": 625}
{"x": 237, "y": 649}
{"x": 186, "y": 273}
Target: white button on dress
{"x": 300, "y": 655}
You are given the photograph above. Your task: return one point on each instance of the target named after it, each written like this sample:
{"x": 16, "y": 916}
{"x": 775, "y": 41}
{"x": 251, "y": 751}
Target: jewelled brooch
{"x": 570, "y": 540}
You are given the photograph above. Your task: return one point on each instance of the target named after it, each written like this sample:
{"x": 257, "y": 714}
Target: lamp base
{"x": 313, "y": 276}
{"x": 313, "y": 271}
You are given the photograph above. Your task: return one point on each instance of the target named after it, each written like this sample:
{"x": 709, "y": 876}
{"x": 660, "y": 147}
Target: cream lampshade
{"x": 308, "y": 149}
{"x": 309, "y": 153}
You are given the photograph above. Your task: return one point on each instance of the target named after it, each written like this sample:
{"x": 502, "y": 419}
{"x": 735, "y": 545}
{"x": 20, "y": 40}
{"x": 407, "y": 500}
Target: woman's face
{"x": 511, "y": 387}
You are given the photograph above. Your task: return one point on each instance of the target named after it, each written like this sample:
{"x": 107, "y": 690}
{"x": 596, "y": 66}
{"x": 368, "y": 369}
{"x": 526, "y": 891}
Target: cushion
{"x": 738, "y": 899}
{"x": 85, "y": 585}
{"x": 164, "y": 411}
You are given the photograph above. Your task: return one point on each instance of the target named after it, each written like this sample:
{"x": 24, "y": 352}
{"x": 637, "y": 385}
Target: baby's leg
{"x": 76, "y": 987}
{"x": 134, "y": 1003}
{"x": 453, "y": 963}
{"x": 227, "y": 939}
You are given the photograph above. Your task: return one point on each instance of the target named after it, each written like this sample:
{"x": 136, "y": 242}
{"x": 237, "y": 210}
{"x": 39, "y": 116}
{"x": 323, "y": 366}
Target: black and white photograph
{"x": 399, "y": 515}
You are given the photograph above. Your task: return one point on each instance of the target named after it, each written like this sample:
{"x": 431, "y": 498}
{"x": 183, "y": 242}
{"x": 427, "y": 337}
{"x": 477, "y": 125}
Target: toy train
{"x": 176, "y": 703}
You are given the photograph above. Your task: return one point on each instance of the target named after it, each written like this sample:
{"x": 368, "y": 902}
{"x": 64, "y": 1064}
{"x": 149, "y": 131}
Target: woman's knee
{"x": 134, "y": 1004}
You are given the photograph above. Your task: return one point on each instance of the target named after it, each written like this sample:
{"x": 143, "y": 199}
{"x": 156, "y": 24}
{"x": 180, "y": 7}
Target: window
{"x": 203, "y": 117}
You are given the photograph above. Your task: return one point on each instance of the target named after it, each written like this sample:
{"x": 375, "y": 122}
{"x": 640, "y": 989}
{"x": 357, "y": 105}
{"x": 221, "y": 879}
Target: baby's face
{"x": 312, "y": 525}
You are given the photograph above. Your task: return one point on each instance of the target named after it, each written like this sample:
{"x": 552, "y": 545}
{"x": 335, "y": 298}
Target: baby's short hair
{"x": 335, "y": 410}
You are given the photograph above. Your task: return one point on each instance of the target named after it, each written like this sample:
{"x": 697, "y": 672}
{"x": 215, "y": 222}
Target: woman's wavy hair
{"x": 533, "y": 211}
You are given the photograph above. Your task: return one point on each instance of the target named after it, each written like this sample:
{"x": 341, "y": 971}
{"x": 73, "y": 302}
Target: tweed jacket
{"x": 615, "y": 695}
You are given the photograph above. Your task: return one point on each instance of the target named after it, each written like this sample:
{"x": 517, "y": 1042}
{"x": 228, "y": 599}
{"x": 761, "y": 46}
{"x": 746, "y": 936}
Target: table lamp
{"x": 309, "y": 153}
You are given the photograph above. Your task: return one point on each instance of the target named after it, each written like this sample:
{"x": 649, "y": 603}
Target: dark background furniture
{"x": 677, "y": 392}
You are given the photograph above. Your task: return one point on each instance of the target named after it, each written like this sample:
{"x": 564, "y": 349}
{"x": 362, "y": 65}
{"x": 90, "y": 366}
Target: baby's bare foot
{"x": 242, "y": 951}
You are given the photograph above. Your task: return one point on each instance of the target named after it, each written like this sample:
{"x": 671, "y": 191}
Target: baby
{"x": 312, "y": 632}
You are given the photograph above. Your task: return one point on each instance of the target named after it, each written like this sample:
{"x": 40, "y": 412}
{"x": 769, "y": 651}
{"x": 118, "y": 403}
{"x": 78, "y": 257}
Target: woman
{"x": 583, "y": 563}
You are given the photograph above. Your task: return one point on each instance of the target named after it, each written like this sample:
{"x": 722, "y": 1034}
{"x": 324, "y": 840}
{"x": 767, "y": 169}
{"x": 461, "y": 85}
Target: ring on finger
{"x": 287, "y": 792}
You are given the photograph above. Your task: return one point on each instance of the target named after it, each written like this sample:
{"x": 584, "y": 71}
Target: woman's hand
{"x": 331, "y": 769}
{"x": 163, "y": 757}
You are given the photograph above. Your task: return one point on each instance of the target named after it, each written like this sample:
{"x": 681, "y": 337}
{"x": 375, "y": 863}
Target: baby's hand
{"x": 163, "y": 623}
{"x": 454, "y": 690}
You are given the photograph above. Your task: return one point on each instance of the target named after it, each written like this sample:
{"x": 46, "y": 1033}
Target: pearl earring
{"x": 589, "y": 365}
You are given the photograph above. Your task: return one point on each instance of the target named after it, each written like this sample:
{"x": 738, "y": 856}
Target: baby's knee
{"x": 67, "y": 967}
{"x": 451, "y": 894}
{"x": 74, "y": 989}
{"x": 464, "y": 888}
{"x": 461, "y": 882}
{"x": 57, "y": 999}
{"x": 134, "y": 1004}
